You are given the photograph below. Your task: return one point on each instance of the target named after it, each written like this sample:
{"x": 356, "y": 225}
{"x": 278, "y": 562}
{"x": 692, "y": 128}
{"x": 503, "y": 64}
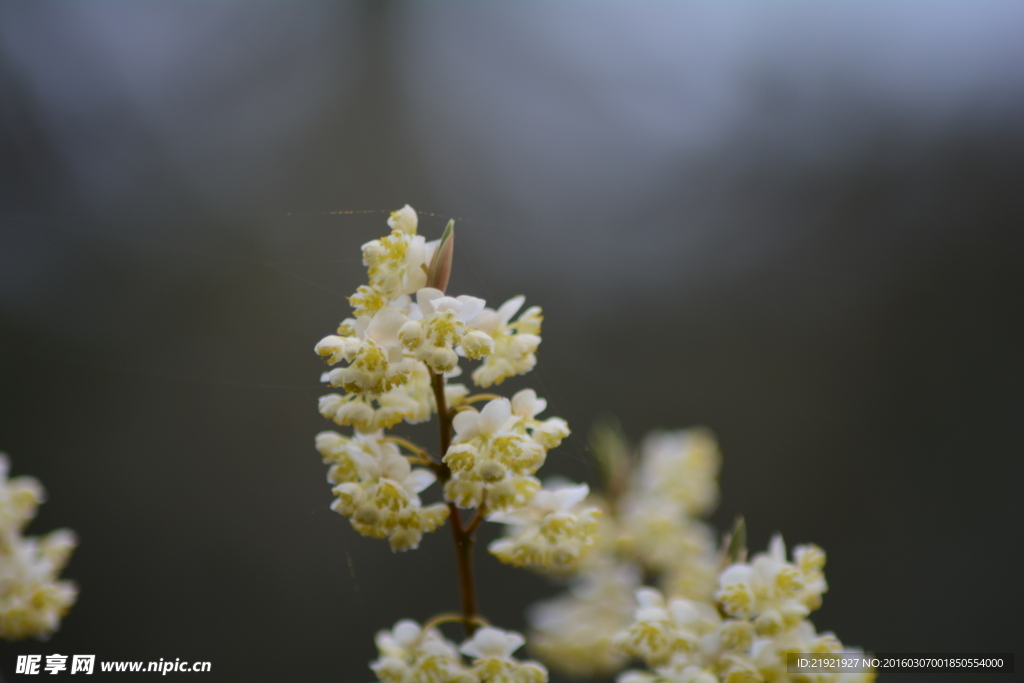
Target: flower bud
{"x": 442, "y": 359}
{"x": 411, "y": 334}
{"x": 329, "y": 404}
{"x": 441, "y": 265}
{"x": 477, "y": 344}
{"x": 491, "y": 471}
{"x": 349, "y": 497}
{"x": 404, "y": 538}
{"x": 367, "y": 514}
{"x": 354, "y": 413}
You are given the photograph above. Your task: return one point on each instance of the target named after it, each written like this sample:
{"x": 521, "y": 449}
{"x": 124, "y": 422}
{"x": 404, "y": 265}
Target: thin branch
{"x": 480, "y": 397}
{"x": 463, "y": 541}
{"x": 452, "y": 617}
{"x": 410, "y": 446}
{"x": 481, "y": 512}
{"x": 420, "y": 461}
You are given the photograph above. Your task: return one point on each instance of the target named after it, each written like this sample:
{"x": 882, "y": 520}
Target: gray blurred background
{"x": 797, "y": 224}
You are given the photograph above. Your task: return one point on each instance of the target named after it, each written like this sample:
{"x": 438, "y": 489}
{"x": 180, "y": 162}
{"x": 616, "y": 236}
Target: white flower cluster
{"x": 404, "y": 333}
{"x": 411, "y": 654}
{"x": 553, "y": 531}
{"x": 32, "y": 600}
{"x": 495, "y": 451}
{"x": 764, "y": 604}
{"x": 732, "y": 625}
{"x": 402, "y": 327}
{"x": 377, "y": 488}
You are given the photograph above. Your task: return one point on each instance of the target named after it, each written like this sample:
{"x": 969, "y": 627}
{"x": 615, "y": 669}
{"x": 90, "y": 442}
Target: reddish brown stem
{"x": 477, "y": 519}
{"x": 462, "y": 536}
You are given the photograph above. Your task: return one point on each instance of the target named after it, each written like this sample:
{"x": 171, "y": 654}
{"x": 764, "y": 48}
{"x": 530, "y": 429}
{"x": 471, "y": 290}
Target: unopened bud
{"x": 410, "y": 334}
{"x": 441, "y": 265}
{"x": 491, "y": 471}
{"x": 477, "y": 344}
{"x": 367, "y": 515}
{"x": 442, "y": 359}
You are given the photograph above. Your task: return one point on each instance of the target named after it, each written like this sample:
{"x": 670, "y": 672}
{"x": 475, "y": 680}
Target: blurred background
{"x": 802, "y": 221}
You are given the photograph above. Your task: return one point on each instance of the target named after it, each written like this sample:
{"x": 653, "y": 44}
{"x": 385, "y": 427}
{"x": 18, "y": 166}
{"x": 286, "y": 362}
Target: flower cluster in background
{"x": 706, "y": 614}
{"x": 32, "y": 600}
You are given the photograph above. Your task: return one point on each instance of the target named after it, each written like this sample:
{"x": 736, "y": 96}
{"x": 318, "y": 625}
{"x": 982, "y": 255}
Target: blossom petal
{"x": 566, "y": 497}
{"x": 384, "y": 327}
{"x": 471, "y": 307}
{"x": 492, "y": 642}
{"x": 424, "y": 297}
{"x": 419, "y": 479}
{"x": 466, "y": 423}
{"x": 510, "y": 308}
{"x": 494, "y": 415}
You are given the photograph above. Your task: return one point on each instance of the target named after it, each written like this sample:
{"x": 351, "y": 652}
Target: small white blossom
{"x": 376, "y": 360}
{"x": 412, "y": 401}
{"x": 548, "y": 433}
{"x": 445, "y": 325}
{"x": 405, "y": 219}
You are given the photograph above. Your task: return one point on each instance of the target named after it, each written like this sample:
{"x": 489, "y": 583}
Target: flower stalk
{"x": 462, "y": 537}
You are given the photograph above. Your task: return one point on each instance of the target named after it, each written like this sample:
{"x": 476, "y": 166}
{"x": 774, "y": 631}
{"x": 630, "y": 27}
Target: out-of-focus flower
{"x": 680, "y": 466}
{"x": 573, "y": 632}
{"x": 32, "y": 599}
{"x": 661, "y": 630}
